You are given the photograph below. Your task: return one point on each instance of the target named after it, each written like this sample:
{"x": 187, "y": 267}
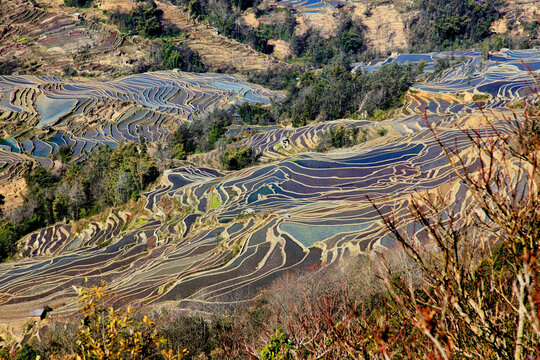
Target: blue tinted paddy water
{"x": 309, "y": 234}
{"x": 52, "y": 109}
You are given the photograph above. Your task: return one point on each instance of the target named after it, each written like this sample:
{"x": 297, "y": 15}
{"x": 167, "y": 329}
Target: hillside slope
{"x": 207, "y": 237}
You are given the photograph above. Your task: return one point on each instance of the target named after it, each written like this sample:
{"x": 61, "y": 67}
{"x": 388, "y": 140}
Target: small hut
{"x": 37, "y": 314}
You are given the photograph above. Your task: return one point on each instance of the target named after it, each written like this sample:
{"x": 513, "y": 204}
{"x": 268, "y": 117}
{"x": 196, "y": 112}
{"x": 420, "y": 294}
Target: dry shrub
{"x": 481, "y": 297}
{"x": 467, "y": 286}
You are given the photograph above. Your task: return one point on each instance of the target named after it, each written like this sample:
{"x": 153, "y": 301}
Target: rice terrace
{"x": 269, "y": 179}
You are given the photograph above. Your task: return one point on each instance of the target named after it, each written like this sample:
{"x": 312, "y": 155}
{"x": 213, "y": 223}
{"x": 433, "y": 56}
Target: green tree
{"x": 181, "y": 57}
{"x": 253, "y": 114}
{"x": 236, "y": 158}
{"x": 145, "y": 19}
{"x": 78, "y": 3}
{"x": 279, "y": 347}
{"x": 65, "y": 153}
{"x": 444, "y": 24}
{"x": 8, "y": 240}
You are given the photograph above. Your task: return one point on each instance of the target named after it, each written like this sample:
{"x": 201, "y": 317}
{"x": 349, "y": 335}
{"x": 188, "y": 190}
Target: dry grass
{"x": 385, "y": 27}
{"x": 13, "y": 191}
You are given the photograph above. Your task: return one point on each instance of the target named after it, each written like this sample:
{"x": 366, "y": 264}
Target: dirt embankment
{"x": 217, "y": 51}
{"x": 516, "y": 14}
{"x": 13, "y": 191}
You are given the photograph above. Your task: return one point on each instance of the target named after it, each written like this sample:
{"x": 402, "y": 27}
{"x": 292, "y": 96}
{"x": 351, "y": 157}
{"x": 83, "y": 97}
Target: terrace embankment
{"x": 211, "y": 238}
{"x": 217, "y": 51}
{"x": 49, "y": 39}
{"x": 42, "y": 114}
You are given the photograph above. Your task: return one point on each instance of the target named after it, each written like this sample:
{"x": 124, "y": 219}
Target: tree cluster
{"x": 178, "y": 56}
{"x": 78, "y": 3}
{"x": 341, "y": 136}
{"x": 107, "y": 178}
{"x": 344, "y": 48}
{"x": 165, "y": 54}
{"x": 334, "y": 92}
{"x": 237, "y": 157}
{"x": 204, "y": 133}
{"x": 451, "y": 24}
{"x": 254, "y": 114}
{"x": 201, "y": 134}
{"x": 283, "y": 28}
{"x": 145, "y": 19}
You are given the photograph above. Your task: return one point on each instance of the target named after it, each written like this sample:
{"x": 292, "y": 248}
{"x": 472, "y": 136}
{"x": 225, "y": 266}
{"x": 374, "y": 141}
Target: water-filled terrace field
{"x": 88, "y": 114}
{"x": 215, "y": 237}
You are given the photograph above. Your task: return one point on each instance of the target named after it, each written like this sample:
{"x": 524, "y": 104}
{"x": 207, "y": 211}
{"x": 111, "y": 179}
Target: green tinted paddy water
{"x": 52, "y": 109}
{"x": 10, "y": 145}
{"x": 216, "y": 200}
{"x": 308, "y": 235}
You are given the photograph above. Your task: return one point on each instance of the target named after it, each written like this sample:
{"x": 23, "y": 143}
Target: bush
{"x": 445, "y": 24}
{"x": 27, "y": 352}
{"x": 109, "y": 333}
{"x": 4, "y": 354}
{"x": 182, "y": 332}
{"x": 236, "y": 158}
{"x": 279, "y": 347}
{"x": 78, "y": 3}
{"x": 180, "y": 57}
{"x": 144, "y": 19}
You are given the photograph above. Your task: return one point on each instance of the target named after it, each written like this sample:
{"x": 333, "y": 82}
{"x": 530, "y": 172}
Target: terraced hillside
{"x": 40, "y": 114}
{"x": 384, "y": 22}
{"x": 210, "y": 238}
{"x": 50, "y": 38}
{"x": 217, "y": 51}
{"x": 388, "y": 25}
